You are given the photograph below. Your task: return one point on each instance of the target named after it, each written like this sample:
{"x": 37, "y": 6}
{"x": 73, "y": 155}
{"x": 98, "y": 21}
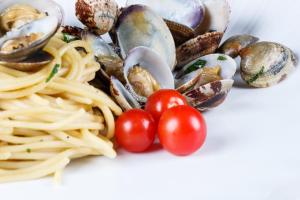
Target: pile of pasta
{"x": 53, "y": 115}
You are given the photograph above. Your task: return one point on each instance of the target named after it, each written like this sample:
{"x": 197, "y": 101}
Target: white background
{"x": 252, "y": 151}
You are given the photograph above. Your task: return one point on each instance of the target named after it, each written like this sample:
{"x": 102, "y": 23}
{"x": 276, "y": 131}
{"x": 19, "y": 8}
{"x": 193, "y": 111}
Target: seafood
{"x": 265, "y": 64}
{"x": 140, "y": 26}
{"x": 235, "y": 44}
{"x": 182, "y": 17}
{"x": 213, "y": 81}
{"x": 22, "y": 38}
{"x": 155, "y": 74}
{"x": 197, "y": 47}
{"x": 98, "y": 15}
{"x": 217, "y": 15}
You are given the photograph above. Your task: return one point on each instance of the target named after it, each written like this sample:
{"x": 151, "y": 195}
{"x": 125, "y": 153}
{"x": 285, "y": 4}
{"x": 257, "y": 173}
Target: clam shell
{"x": 210, "y": 95}
{"x": 153, "y": 63}
{"x": 98, "y": 15}
{"x": 235, "y": 44}
{"x": 182, "y": 17}
{"x": 122, "y": 96}
{"x": 47, "y": 6}
{"x": 140, "y": 26}
{"x": 217, "y": 16}
{"x": 265, "y": 64}
{"x": 197, "y": 47}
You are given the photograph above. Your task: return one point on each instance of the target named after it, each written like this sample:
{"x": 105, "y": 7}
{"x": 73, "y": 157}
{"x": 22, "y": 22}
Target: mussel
{"x": 140, "y": 26}
{"x": 182, "y": 17}
{"x": 265, "y": 64}
{"x": 26, "y": 27}
{"x": 145, "y": 72}
{"x": 208, "y": 80}
{"x": 233, "y": 45}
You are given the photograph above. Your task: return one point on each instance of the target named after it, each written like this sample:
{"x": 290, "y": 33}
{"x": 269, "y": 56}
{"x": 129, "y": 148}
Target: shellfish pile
{"x": 172, "y": 44}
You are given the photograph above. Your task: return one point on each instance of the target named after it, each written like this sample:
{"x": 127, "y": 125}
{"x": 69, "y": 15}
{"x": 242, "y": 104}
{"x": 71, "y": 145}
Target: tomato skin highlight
{"x": 163, "y": 100}
{"x": 135, "y": 130}
{"x": 182, "y": 130}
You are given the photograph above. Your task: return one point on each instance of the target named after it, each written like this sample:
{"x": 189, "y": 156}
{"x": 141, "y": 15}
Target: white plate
{"x": 252, "y": 149}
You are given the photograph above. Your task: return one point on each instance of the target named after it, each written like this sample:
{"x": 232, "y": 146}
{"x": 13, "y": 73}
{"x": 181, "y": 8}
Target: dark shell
{"x": 199, "y": 46}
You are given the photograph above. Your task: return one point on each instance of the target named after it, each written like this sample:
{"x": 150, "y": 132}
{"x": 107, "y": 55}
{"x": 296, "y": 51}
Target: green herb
{"x": 28, "y": 150}
{"x": 222, "y": 58}
{"x": 197, "y": 65}
{"x": 53, "y": 72}
{"x": 256, "y": 76}
{"x": 69, "y": 38}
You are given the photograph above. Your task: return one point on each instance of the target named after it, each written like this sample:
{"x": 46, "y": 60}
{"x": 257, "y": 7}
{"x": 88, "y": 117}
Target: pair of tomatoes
{"x": 181, "y": 129}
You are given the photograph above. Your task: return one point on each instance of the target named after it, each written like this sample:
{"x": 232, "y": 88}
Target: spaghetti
{"x": 53, "y": 115}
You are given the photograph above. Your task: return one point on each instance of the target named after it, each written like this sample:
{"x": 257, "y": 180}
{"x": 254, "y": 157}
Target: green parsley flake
{"x": 69, "y": 38}
{"x": 28, "y": 150}
{"x": 53, "y": 72}
{"x": 256, "y": 76}
{"x": 222, "y": 58}
{"x": 197, "y": 65}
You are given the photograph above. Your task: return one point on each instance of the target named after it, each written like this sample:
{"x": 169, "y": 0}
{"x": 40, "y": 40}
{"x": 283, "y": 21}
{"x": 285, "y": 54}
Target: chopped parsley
{"x": 256, "y": 76}
{"x": 28, "y": 150}
{"x": 197, "y": 65}
{"x": 53, "y": 72}
{"x": 69, "y": 38}
{"x": 222, "y": 58}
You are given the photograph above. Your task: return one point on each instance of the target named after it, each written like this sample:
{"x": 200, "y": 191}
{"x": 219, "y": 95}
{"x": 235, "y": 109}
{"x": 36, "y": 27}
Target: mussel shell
{"x": 265, "y": 64}
{"x": 140, "y": 26}
{"x": 47, "y": 6}
{"x": 153, "y": 63}
{"x": 199, "y": 46}
{"x": 122, "y": 96}
{"x": 182, "y": 17}
{"x": 217, "y": 16}
{"x": 233, "y": 45}
{"x": 209, "y": 96}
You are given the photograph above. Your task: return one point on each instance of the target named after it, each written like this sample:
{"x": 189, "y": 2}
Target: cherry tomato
{"x": 162, "y": 100}
{"x": 182, "y": 130}
{"x": 135, "y": 130}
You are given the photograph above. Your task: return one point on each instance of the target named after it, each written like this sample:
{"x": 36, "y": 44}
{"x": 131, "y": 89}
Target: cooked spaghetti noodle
{"x": 53, "y": 115}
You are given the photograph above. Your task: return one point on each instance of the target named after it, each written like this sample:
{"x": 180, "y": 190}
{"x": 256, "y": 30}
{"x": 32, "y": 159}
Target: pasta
{"x": 53, "y": 115}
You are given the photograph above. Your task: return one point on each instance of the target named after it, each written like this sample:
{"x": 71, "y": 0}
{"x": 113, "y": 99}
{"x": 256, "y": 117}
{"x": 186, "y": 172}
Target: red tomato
{"x": 135, "y": 130}
{"x": 182, "y": 130}
{"x": 162, "y": 100}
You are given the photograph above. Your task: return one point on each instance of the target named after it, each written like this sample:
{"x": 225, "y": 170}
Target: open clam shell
{"x": 210, "y": 95}
{"x": 217, "y": 16}
{"x": 140, "y": 26}
{"x": 265, "y": 64}
{"x": 182, "y": 17}
{"x": 233, "y": 45}
{"x": 199, "y": 46}
{"x": 122, "y": 95}
{"x": 153, "y": 63}
{"x": 48, "y": 25}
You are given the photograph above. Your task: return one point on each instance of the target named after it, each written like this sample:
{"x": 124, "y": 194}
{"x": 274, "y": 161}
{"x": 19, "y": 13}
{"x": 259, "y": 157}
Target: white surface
{"x": 252, "y": 149}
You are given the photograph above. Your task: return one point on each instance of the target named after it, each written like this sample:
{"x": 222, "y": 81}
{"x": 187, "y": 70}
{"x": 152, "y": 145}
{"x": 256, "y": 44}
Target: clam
{"x": 235, "y": 44}
{"x": 140, "y": 26}
{"x": 182, "y": 17}
{"x": 145, "y": 72}
{"x": 98, "y": 15}
{"x": 25, "y": 36}
{"x": 265, "y": 64}
{"x": 211, "y": 82}
{"x": 217, "y": 15}
{"x": 199, "y": 46}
